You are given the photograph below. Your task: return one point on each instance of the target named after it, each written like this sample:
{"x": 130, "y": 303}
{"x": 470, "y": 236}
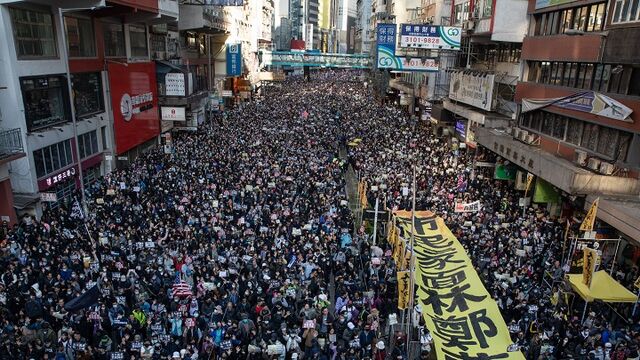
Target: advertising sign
{"x": 472, "y": 88}
{"x": 586, "y": 101}
{"x": 296, "y": 58}
{"x": 308, "y": 36}
{"x": 174, "y": 84}
{"x": 461, "y": 129}
{"x": 386, "y": 58}
{"x": 48, "y": 197}
{"x": 546, "y": 3}
{"x": 135, "y": 102}
{"x": 173, "y": 113}
{"x": 234, "y": 59}
{"x": 224, "y": 2}
{"x": 430, "y": 37}
{"x": 62, "y": 176}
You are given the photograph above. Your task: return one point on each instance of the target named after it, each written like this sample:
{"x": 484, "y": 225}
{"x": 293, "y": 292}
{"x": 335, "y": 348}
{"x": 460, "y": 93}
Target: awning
{"x": 603, "y": 287}
{"x": 22, "y": 201}
{"x": 164, "y": 67}
{"x": 621, "y": 212}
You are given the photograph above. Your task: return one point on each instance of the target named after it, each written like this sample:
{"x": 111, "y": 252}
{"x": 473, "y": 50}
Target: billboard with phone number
{"x": 430, "y": 37}
{"x": 135, "y": 104}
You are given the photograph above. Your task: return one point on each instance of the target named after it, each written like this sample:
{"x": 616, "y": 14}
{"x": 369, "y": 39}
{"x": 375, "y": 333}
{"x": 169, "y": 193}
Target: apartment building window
{"x": 626, "y": 11}
{"x": 34, "y": 33}
{"x": 88, "y": 144}
{"x": 80, "y": 37}
{"x": 87, "y": 93}
{"x": 585, "y": 18}
{"x": 609, "y": 143}
{"x": 617, "y": 79}
{"x": 45, "y": 101}
{"x": 487, "y": 9}
{"x": 113, "y": 40}
{"x": 461, "y": 12}
{"x": 191, "y": 40}
{"x": 138, "y": 39}
{"x": 52, "y": 158}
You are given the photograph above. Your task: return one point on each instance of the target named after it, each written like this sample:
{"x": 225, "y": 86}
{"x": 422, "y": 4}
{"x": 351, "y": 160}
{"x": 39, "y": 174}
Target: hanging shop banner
{"x": 403, "y": 290}
{"x": 135, "y": 104}
{"x": 234, "y": 59}
{"x": 386, "y": 54}
{"x": 427, "y": 36}
{"x": 589, "y": 265}
{"x": 590, "y": 219}
{"x": 587, "y": 101}
{"x": 469, "y": 207}
{"x": 545, "y": 193}
{"x": 471, "y": 87}
{"x": 463, "y": 318}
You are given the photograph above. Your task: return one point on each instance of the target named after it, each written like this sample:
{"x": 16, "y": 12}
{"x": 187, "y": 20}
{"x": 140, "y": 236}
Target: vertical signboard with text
{"x": 135, "y": 104}
{"x": 387, "y": 59}
{"x": 234, "y": 59}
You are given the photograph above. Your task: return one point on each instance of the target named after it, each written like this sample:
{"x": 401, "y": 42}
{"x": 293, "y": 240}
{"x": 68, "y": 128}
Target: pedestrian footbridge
{"x": 293, "y": 58}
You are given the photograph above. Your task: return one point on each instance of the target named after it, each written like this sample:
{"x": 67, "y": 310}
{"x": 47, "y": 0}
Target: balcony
{"x": 10, "y": 145}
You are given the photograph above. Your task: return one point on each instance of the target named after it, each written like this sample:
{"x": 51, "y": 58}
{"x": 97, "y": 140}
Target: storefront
{"x": 59, "y": 187}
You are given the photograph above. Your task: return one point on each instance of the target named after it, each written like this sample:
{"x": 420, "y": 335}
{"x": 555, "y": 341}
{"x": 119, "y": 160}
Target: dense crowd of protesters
{"x": 240, "y": 244}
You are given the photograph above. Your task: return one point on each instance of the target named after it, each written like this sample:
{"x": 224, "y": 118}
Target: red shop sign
{"x": 62, "y": 176}
{"x": 135, "y": 104}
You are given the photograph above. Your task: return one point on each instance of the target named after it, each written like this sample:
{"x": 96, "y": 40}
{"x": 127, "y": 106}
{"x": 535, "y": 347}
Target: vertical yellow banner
{"x": 403, "y": 290}
{"x": 590, "y": 219}
{"x": 589, "y": 265}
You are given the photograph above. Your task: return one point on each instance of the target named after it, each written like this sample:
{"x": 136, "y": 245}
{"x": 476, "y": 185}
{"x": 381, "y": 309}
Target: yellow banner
{"x": 403, "y": 290}
{"x": 590, "y": 219}
{"x": 464, "y": 320}
{"x": 529, "y": 181}
{"x": 589, "y": 265}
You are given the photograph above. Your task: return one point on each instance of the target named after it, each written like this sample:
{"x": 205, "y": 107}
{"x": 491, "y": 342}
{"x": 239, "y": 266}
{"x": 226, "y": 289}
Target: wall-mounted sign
{"x": 174, "y": 84}
{"x": 48, "y": 197}
{"x": 587, "y": 101}
{"x": 387, "y": 59}
{"x": 52, "y": 180}
{"x": 461, "y": 129}
{"x": 173, "y": 113}
{"x": 430, "y": 36}
{"x": 473, "y": 88}
{"x": 234, "y": 59}
{"x": 134, "y": 88}
{"x": 227, "y": 93}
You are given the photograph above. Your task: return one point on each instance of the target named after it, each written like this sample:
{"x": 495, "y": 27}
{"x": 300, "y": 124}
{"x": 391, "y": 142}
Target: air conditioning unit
{"x": 515, "y": 132}
{"x": 594, "y": 164}
{"x": 530, "y": 139}
{"x": 581, "y": 158}
{"x": 606, "y": 168}
{"x": 522, "y": 136}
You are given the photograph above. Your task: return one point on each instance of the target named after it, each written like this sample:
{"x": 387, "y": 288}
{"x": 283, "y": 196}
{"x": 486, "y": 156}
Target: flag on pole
{"x": 88, "y": 298}
{"x": 76, "y": 212}
{"x": 590, "y": 219}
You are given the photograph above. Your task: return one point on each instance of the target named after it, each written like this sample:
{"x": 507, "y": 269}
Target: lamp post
{"x": 65, "y": 50}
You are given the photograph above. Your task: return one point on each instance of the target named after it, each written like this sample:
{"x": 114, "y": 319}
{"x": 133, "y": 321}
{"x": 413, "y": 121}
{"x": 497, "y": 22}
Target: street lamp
{"x": 65, "y": 49}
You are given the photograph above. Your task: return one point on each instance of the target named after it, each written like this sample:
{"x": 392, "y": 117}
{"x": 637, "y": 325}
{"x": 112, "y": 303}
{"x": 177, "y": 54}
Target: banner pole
{"x": 375, "y": 221}
{"x": 615, "y": 256}
{"x": 411, "y": 260}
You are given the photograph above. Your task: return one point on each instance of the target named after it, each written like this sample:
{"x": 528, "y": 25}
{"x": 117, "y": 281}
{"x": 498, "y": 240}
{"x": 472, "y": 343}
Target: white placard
{"x": 48, "y": 197}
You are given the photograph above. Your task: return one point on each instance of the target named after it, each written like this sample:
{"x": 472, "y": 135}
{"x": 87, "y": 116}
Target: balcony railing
{"x": 10, "y": 143}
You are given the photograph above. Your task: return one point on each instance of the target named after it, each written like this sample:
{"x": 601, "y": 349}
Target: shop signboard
{"x": 472, "y": 88}
{"x": 227, "y": 93}
{"x": 234, "y": 59}
{"x": 461, "y": 129}
{"x": 134, "y": 96}
{"x": 48, "y": 197}
{"x": 387, "y": 59}
{"x": 425, "y": 36}
{"x": 174, "y": 84}
{"x": 170, "y": 113}
{"x": 59, "y": 177}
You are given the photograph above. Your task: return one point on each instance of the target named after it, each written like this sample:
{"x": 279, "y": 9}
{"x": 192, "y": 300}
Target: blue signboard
{"x": 224, "y": 2}
{"x": 234, "y": 59}
{"x": 386, "y": 54}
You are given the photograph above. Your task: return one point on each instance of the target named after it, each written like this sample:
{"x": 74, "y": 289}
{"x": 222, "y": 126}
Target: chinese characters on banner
{"x": 590, "y": 219}
{"x": 430, "y": 36}
{"x": 589, "y": 265}
{"x": 469, "y": 207}
{"x": 463, "y": 318}
{"x": 234, "y": 59}
{"x": 403, "y": 290}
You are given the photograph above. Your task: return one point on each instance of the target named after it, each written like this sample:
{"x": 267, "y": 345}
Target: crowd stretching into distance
{"x": 241, "y": 245}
